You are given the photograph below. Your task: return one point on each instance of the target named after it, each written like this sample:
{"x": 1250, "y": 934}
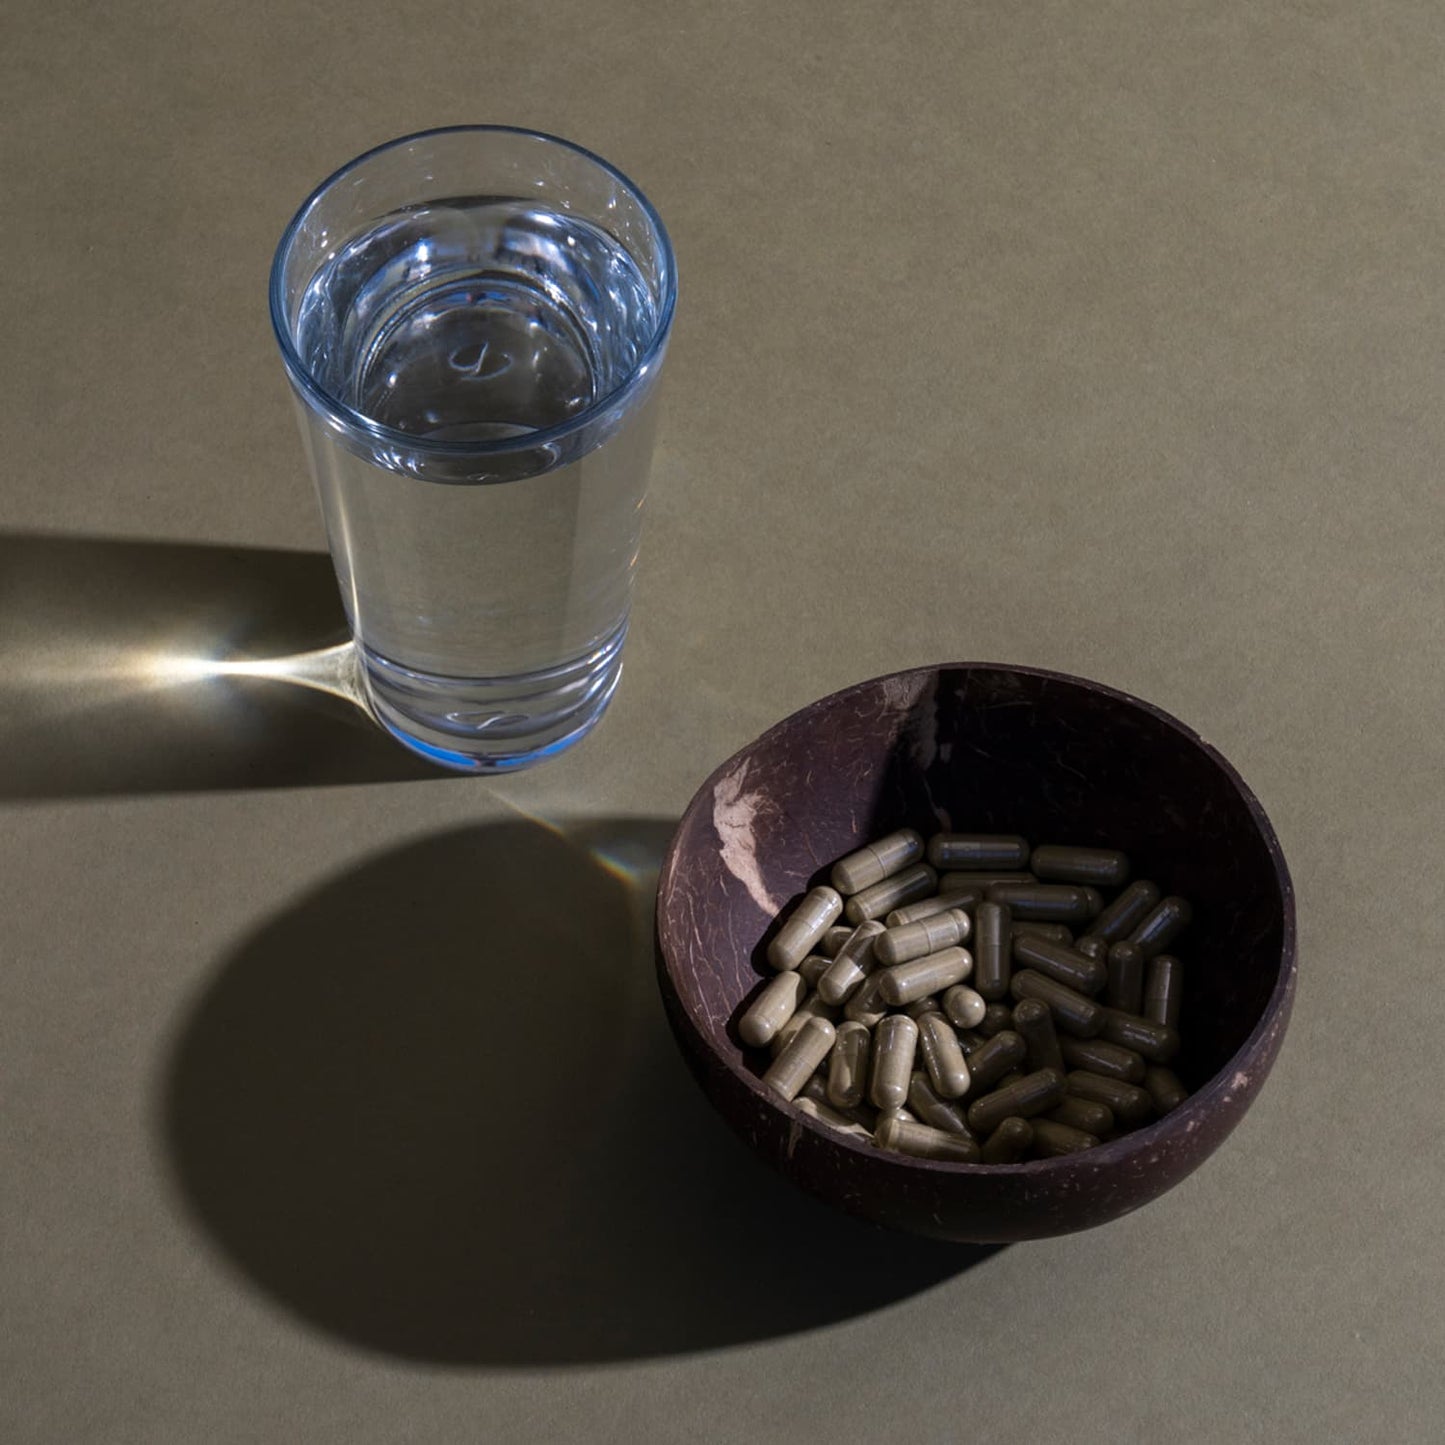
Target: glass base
{"x": 493, "y": 724}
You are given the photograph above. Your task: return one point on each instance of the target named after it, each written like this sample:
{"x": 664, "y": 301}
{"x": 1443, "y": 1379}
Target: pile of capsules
{"x": 1033, "y": 1043}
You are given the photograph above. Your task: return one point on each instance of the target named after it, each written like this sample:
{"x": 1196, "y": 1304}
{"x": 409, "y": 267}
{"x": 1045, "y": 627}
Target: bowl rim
{"x": 1221, "y": 1086}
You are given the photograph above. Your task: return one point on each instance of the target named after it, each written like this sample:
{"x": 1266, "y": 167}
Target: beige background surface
{"x": 1104, "y": 337}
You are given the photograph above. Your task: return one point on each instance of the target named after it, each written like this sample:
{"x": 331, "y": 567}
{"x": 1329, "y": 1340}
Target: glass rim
{"x": 353, "y": 420}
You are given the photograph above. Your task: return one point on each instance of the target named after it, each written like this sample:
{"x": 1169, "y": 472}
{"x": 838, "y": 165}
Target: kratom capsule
{"x": 914, "y": 940}
{"x": 906, "y": 982}
{"x": 1033, "y": 1094}
{"x": 1034, "y": 1024}
{"x": 924, "y": 1142}
{"x": 895, "y": 1042}
{"x": 928, "y": 908}
{"x": 1156, "y": 1042}
{"x": 1103, "y": 867}
{"x": 950, "y": 884}
{"x": 905, "y": 887}
{"x": 795, "y": 1064}
{"x": 1054, "y": 932}
{"x": 853, "y": 964}
{"x": 1126, "y": 912}
{"x": 816, "y": 1089}
{"x": 970, "y": 1041}
{"x": 1164, "y": 990}
{"x": 1083, "y": 1114}
{"x": 992, "y": 944}
{"x": 942, "y": 1057}
{"x": 964, "y": 1007}
{"x": 941, "y": 1113}
{"x": 772, "y": 1008}
{"x": 978, "y": 850}
{"x": 921, "y": 1006}
{"x": 1049, "y": 902}
{"x": 1073, "y": 1013}
{"x": 1099, "y": 1056}
{"x": 1052, "y": 1139}
{"x": 877, "y": 861}
{"x": 833, "y": 939}
{"x": 1008, "y": 1143}
{"x": 1094, "y": 948}
{"x": 848, "y": 1065}
{"x": 1125, "y": 988}
{"x": 814, "y": 967}
{"x": 1168, "y": 919}
{"x": 866, "y": 1006}
{"x": 990, "y": 1062}
{"x": 1164, "y": 1088}
{"x": 806, "y": 925}
{"x": 1128, "y": 1103}
{"x": 1012, "y": 1077}
{"x": 1073, "y": 970}
{"x": 996, "y": 1018}
{"x": 812, "y": 1007}
{"x": 840, "y": 1123}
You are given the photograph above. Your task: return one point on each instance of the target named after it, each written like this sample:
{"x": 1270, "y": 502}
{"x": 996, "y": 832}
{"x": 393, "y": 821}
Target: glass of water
{"x": 473, "y": 321}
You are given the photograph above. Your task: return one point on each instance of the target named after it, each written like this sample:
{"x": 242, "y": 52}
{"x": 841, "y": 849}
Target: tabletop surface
{"x": 1103, "y": 338}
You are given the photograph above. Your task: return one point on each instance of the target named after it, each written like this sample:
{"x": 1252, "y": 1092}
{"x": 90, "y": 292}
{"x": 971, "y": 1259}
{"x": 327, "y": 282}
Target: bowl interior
{"x": 978, "y": 748}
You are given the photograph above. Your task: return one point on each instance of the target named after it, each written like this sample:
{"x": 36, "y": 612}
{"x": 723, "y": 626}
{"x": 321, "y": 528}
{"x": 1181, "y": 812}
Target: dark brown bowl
{"x": 986, "y": 748}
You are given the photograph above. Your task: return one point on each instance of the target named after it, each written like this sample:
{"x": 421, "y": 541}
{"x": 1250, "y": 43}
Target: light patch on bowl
{"x": 734, "y": 816}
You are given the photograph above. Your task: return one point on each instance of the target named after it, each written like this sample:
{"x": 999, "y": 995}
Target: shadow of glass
{"x": 119, "y": 672}
{"x": 434, "y": 1109}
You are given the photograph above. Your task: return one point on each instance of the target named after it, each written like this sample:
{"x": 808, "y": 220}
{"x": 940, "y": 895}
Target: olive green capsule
{"x": 1099, "y": 1056}
{"x": 1008, "y": 1143}
{"x": 921, "y": 1006}
{"x": 989, "y": 1063}
{"x": 993, "y": 938}
{"x": 1170, "y": 917}
{"x": 1012, "y": 1077}
{"x": 1125, "y": 988}
{"x": 895, "y": 1041}
{"x": 771, "y": 1009}
{"x": 1126, "y": 912}
{"x": 855, "y": 961}
{"x": 914, "y": 940}
{"x": 1032, "y": 1094}
{"x": 923, "y": 1141}
{"x": 1073, "y": 970}
{"x": 816, "y": 1089}
{"x": 951, "y": 884}
{"x": 1164, "y": 1088}
{"x": 839, "y": 1123}
{"x": 906, "y": 982}
{"x": 1086, "y": 1115}
{"x": 805, "y": 926}
{"x": 866, "y": 1005}
{"x": 833, "y": 939}
{"x": 996, "y": 1018}
{"x": 1164, "y": 990}
{"x": 1128, "y": 1103}
{"x": 848, "y": 1065}
{"x": 978, "y": 850}
{"x": 927, "y": 908}
{"x": 1049, "y": 902}
{"x": 1052, "y": 1139}
{"x": 942, "y": 1057}
{"x": 877, "y": 861}
{"x": 793, "y": 1067}
{"x": 814, "y": 967}
{"x": 1103, "y": 867}
{"x": 1034, "y": 1024}
{"x": 941, "y": 1113}
{"x": 1073, "y": 1012}
{"x": 906, "y": 887}
{"x": 1054, "y": 932}
{"x": 964, "y": 1007}
{"x": 812, "y": 1007}
{"x": 1157, "y": 1042}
